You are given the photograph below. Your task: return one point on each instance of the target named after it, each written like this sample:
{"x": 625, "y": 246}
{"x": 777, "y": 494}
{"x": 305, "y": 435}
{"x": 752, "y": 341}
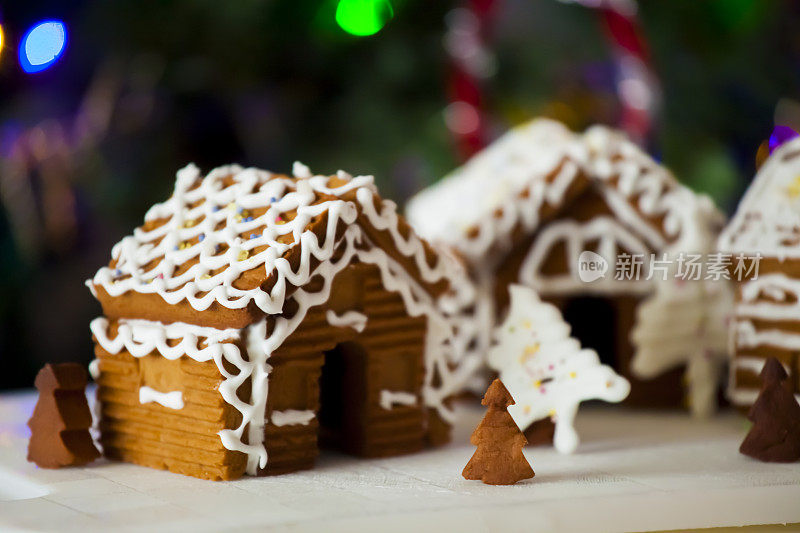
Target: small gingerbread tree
{"x": 61, "y": 419}
{"x": 775, "y": 435}
{"x": 498, "y": 459}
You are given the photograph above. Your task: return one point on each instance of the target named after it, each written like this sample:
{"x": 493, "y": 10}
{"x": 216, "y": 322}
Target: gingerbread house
{"x": 541, "y": 202}
{"x": 256, "y": 316}
{"x": 766, "y": 318}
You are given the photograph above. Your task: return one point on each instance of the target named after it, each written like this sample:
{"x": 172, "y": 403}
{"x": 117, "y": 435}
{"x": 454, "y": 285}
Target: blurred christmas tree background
{"x": 145, "y": 86}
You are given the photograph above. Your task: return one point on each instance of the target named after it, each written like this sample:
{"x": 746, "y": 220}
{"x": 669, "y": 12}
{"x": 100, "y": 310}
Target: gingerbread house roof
{"x": 525, "y": 173}
{"x": 241, "y": 241}
{"x": 529, "y": 175}
{"x": 767, "y": 220}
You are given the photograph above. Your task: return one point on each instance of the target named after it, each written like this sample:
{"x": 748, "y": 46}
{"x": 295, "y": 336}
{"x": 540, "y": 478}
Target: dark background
{"x": 146, "y": 86}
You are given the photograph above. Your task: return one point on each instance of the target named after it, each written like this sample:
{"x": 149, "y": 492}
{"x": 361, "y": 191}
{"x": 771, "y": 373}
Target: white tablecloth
{"x": 634, "y": 471}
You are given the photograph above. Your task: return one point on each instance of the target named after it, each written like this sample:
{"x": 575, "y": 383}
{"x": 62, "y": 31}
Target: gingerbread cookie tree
{"x": 775, "y": 435}
{"x": 498, "y": 459}
{"x": 61, "y": 420}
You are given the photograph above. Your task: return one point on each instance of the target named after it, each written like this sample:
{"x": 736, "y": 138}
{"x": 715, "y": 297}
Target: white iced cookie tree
{"x": 545, "y": 370}
{"x": 685, "y": 323}
{"x": 685, "y": 320}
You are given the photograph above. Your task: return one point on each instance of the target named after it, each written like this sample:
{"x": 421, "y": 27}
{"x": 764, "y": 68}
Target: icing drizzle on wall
{"x": 171, "y": 400}
{"x": 389, "y": 399}
{"x": 772, "y": 298}
{"x": 291, "y": 417}
{"x": 142, "y": 337}
{"x": 348, "y": 319}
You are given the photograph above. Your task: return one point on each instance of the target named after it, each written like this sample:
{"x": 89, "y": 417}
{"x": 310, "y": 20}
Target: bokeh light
{"x": 2, "y": 38}
{"x": 462, "y": 118}
{"x": 42, "y": 45}
{"x": 363, "y": 17}
{"x": 780, "y": 135}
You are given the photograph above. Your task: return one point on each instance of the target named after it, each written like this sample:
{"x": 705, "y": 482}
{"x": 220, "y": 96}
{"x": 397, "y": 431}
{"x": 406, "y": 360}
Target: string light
{"x": 780, "y": 135}
{"x": 42, "y": 46}
{"x": 363, "y": 17}
{"x": 462, "y": 118}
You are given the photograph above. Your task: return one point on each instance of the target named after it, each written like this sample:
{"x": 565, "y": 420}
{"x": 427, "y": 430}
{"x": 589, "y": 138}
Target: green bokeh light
{"x": 363, "y": 17}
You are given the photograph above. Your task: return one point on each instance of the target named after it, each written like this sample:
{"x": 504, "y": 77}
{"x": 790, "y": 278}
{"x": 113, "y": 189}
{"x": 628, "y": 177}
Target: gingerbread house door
{"x": 343, "y": 398}
{"x": 371, "y": 381}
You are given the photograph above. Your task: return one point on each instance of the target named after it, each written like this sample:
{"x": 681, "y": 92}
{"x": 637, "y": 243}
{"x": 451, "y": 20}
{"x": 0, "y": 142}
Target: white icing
{"x": 767, "y": 220}
{"x": 171, "y": 400}
{"x": 94, "y": 369}
{"x": 747, "y": 336}
{"x": 391, "y": 398}
{"x": 745, "y": 397}
{"x": 140, "y": 337}
{"x": 776, "y": 286}
{"x": 291, "y": 417}
{"x": 349, "y": 319}
{"x": 613, "y": 239}
{"x": 753, "y": 364}
{"x": 449, "y": 354}
{"x": 546, "y": 371}
{"x": 653, "y": 190}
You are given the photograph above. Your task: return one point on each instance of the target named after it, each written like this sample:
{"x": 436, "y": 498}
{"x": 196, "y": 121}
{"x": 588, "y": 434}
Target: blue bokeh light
{"x": 42, "y": 45}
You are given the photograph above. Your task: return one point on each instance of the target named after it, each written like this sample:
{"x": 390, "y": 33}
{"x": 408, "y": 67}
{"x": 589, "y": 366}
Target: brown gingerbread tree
{"x": 498, "y": 459}
{"x": 775, "y": 435}
{"x": 61, "y": 419}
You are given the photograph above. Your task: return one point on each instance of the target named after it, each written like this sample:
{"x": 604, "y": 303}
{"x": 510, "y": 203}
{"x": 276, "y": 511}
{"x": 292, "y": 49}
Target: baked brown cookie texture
{"x": 765, "y": 320}
{"x": 775, "y": 435}
{"x": 542, "y": 195}
{"x": 499, "y": 459}
{"x": 61, "y": 419}
{"x": 255, "y": 317}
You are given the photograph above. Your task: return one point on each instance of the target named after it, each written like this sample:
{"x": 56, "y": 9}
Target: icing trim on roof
{"x": 767, "y": 220}
{"x": 642, "y": 194}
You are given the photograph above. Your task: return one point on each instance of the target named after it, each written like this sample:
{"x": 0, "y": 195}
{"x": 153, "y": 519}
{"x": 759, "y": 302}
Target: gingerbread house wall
{"x": 183, "y": 441}
{"x": 386, "y": 416}
{"x": 766, "y": 324}
{"x": 391, "y": 347}
{"x": 663, "y": 391}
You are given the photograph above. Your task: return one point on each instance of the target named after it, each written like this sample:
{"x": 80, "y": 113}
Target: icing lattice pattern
{"x": 218, "y": 238}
